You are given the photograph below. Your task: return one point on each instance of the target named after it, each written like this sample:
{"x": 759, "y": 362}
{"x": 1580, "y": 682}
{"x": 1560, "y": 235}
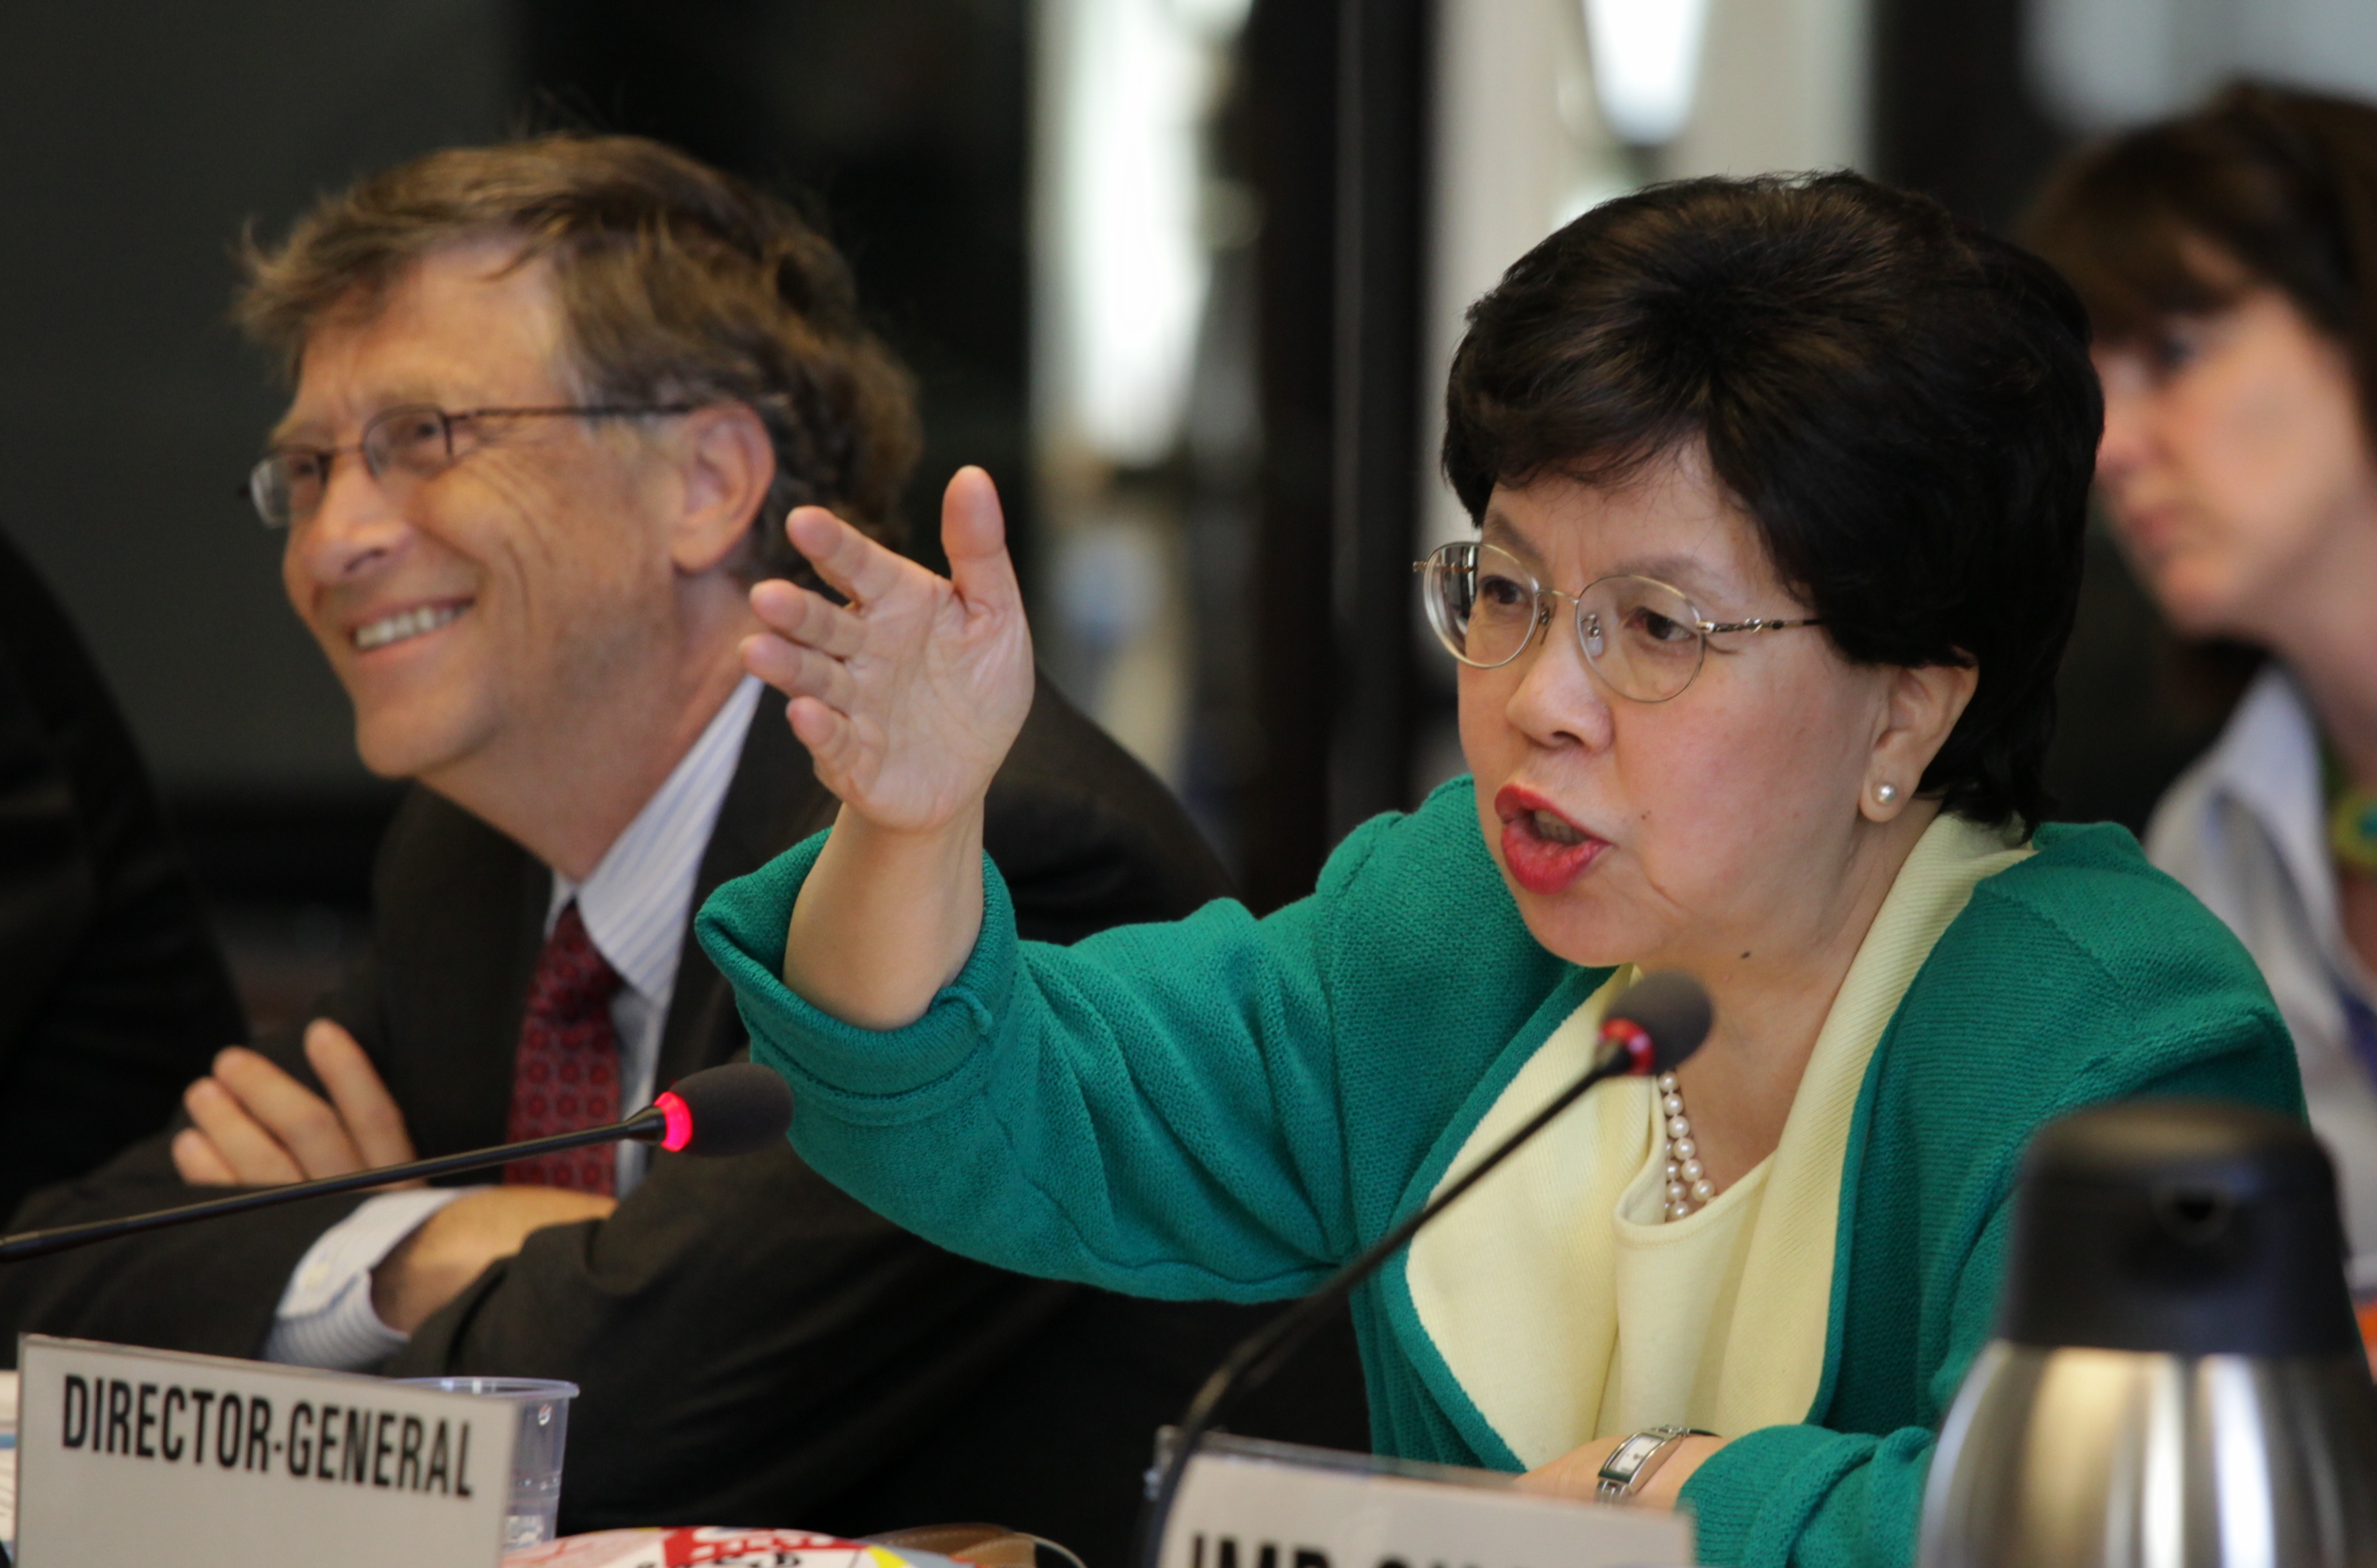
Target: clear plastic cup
{"x": 544, "y": 1406}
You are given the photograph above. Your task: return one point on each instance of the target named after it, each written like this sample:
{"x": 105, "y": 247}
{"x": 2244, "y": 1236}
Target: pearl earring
{"x": 1885, "y": 792}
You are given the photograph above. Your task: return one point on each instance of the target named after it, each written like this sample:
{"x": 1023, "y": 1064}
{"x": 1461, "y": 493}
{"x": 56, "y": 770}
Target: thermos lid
{"x": 2196, "y": 1227}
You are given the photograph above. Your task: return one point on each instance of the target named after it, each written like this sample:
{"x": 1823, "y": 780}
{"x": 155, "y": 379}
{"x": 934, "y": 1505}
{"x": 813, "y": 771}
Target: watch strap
{"x": 1636, "y": 1460}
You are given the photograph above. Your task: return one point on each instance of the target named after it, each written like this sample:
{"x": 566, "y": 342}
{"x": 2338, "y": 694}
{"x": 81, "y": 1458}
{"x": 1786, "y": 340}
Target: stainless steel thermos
{"x": 2175, "y": 1380}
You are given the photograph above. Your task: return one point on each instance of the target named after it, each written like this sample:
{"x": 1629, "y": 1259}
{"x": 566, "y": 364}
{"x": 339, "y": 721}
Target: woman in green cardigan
{"x": 1780, "y": 488}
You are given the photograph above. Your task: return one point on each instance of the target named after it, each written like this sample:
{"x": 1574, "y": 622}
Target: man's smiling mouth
{"x": 410, "y": 623}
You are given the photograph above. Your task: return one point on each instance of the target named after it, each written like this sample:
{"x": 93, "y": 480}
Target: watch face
{"x": 1621, "y": 1465}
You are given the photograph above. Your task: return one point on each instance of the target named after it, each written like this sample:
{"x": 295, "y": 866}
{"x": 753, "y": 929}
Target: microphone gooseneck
{"x": 1652, "y": 1027}
{"x": 738, "y": 1108}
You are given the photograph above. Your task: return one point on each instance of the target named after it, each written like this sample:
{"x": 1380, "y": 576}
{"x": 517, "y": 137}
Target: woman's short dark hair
{"x": 1903, "y": 405}
{"x": 2264, "y": 186}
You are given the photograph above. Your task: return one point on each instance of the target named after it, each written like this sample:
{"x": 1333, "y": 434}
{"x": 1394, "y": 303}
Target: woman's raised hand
{"x": 909, "y": 696}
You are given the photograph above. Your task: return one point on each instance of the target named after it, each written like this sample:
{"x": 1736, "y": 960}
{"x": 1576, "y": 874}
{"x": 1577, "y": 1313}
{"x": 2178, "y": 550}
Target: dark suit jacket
{"x": 753, "y": 1346}
{"x": 113, "y": 993}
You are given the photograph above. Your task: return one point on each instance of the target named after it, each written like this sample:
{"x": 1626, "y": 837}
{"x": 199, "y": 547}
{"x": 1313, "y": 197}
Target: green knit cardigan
{"x": 1231, "y": 1107}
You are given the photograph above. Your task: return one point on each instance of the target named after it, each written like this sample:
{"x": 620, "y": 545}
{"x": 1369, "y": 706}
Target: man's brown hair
{"x": 677, "y": 284}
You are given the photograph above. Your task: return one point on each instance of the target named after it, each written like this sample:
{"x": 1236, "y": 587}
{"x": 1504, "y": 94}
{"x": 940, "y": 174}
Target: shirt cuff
{"x": 324, "y": 1318}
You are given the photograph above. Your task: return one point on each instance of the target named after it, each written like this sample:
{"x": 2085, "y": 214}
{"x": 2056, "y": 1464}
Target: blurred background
{"x": 1183, "y": 275}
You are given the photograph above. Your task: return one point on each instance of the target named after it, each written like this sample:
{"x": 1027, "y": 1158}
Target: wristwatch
{"x": 1636, "y": 1460}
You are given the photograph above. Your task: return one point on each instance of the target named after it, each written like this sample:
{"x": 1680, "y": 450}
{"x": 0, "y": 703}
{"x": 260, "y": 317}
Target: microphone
{"x": 1651, "y": 1027}
{"x": 738, "y": 1108}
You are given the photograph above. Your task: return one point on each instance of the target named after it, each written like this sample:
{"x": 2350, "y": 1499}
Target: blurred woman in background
{"x": 2229, "y": 259}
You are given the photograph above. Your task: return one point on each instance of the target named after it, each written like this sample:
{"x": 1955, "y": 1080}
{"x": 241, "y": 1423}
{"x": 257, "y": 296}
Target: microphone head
{"x": 739, "y": 1108}
{"x": 1659, "y": 1021}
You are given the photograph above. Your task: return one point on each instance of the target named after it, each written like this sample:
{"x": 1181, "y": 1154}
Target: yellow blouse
{"x": 1570, "y": 1310}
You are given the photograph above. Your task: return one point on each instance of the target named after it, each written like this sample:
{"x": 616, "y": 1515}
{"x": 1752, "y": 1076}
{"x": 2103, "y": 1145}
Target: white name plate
{"x": 1252, "y": 1504}
{"x": 130, "y": 1458}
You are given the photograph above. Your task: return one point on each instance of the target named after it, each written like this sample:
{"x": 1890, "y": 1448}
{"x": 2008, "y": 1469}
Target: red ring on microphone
{"x": 1629, "y": 1036}
{"x": 679, "y": 1130}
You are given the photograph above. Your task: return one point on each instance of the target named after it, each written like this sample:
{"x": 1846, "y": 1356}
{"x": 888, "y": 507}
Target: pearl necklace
{"x": 1689, "y": 1187}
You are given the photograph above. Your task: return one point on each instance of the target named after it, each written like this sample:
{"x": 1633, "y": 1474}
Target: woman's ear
{"x": 727, "y": 465}
{"x": 1923, "y": 706}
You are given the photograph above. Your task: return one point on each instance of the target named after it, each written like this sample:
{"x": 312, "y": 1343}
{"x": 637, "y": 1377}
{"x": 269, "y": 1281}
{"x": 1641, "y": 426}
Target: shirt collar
{"x": 2266, "y": 762}
{"x": 635, "y": 900}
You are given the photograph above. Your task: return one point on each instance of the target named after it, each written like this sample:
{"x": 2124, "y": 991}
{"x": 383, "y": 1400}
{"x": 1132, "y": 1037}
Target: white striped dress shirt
{"x": 637, "y": 904}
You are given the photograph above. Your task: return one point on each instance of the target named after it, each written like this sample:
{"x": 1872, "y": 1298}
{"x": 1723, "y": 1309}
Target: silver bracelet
{"x": 1636, "y": 1460}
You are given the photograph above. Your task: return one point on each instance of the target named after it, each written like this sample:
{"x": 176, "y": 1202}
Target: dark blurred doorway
{"x": 904, "y": 126}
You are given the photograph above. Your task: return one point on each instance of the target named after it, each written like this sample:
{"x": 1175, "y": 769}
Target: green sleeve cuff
{"x": 866, "y": 1075}
{"x": 1752, "y": 1499}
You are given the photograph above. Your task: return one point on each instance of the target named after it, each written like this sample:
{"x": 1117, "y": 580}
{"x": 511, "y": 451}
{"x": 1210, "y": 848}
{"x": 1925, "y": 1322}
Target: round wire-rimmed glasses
{"x": 417, "y": 441}
{"x": 1643, "y": 637}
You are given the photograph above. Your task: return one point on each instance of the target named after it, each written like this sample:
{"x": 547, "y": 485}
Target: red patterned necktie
{"x": 566, "y": 1074}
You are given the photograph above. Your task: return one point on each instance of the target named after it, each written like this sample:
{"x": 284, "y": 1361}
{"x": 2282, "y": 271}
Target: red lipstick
{"x": 1543, "y": 849}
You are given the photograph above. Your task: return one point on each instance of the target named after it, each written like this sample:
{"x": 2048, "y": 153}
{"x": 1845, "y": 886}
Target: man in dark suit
{"x": 549, "y": 400}
{"x": 113, "y": 993}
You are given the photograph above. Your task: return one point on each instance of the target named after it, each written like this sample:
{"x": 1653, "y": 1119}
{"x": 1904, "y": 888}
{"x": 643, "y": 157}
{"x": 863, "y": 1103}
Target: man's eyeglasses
{"x": 1641, "y": 636}
{"x": 415, "y": 442}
